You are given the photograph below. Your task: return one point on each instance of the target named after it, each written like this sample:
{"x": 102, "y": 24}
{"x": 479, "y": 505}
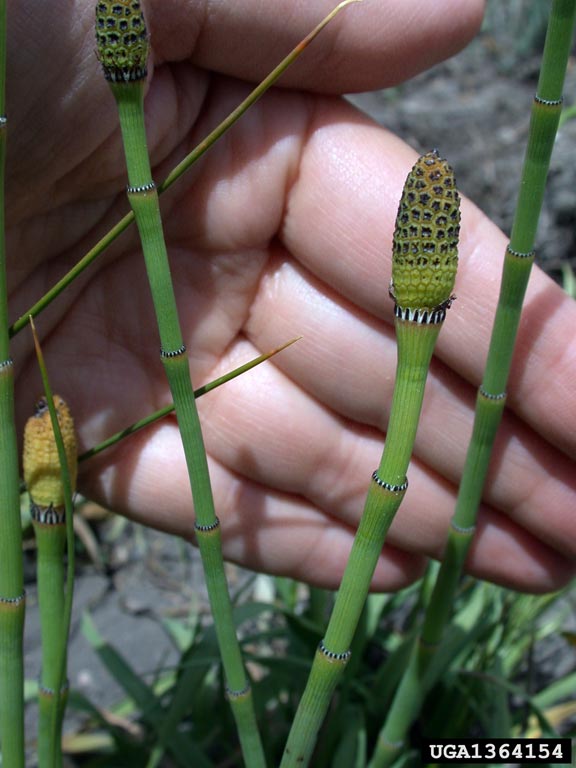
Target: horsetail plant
{"x": 12, "y": 595}
{"x": 123, "y": 49}
{"x": 491, "y": 397}
{"x": 43, "y": 478}
{"x": 50, "y": 467}
{"x": 425, "y": 257}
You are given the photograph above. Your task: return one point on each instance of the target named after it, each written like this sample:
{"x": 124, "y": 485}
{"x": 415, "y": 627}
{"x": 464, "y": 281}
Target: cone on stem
{"x": 425, "y": 244}
{"x": 122, "y": 40}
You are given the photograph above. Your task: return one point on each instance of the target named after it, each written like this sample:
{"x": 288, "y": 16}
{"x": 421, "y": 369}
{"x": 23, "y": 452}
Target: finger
{"x": 267, "y": 531}
{"x": 369, "y": 45}
{"x": 339, "y": 223}
{"x": 288, "y": 534}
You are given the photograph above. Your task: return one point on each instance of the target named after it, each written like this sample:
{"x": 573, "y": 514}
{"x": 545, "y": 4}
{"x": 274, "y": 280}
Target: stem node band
{"x": 424, "y": 264}
{"x": 207, "y": 528}
{"x": 12, "y": 602}
{"x": 142, "y": 189}
{"x": 388, "y": 486}
{"x": 171, "y": 353}
{"x": 47, "y": 516}
{"x": 548, "y": 102}
{"x": 500, "y": 396}
{"x": 491, "y": 396}
{"x": 124, "y": 67}
{"x": 462, "y": 530}
{"x": 519, "y": 254}
{"x": 334, "y": 657}
{"x": 243, "y": 693}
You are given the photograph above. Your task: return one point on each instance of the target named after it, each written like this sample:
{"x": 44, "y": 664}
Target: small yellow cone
{"x": 425, "y": 245}
{"x": 40, "y": 459}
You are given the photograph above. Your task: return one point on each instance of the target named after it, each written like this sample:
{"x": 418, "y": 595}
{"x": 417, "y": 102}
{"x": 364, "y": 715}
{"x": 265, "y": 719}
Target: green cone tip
{"x": 425, "y": 245}
{"x": 122, "y": 40}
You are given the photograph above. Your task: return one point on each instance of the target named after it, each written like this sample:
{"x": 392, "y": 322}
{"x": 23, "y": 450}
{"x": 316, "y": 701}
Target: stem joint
{"x": 141, "y": 189}
{"x": 48, "y": 516}
{"x": 491, "y": 396}
{"x": 388, "y": 486}
{"x": 520, "y": 254}
{"x": 207, "y": 528}
{"x": 13, "y": 602}
{"x": 548, "y": 102}
{"x": 171, "y": 353}
{"x": 467, "y": 530}
{"x": 332, "y": 655}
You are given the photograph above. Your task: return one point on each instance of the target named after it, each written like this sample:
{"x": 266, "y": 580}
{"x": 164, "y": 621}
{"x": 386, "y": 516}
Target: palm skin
{"x": 284, "y": 228}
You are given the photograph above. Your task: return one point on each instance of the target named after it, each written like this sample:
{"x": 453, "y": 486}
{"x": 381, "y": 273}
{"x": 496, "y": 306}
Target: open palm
{"x": 283, "y": 229}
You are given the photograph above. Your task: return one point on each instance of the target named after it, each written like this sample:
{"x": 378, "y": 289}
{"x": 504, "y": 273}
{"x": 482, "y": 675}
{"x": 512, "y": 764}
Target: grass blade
{"x": 162, "y": 412}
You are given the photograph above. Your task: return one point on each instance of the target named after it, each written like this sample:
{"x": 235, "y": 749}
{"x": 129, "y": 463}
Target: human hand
{"x": 284, "y": 228}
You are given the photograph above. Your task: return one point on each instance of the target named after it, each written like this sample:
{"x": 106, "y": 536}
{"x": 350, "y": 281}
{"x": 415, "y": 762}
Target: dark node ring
{"x": 422, "y": 316}
{"x": 548, "y": 102}
{"x": 461, "y": 529}
{"x": 520, "y": 254}
{"x": 14, "y": 601}
{"x": 207, "y": 528}
{"x": 238, "y": 694}
{"x": 173, "y": 352}
{"x": 6, "y": 364}
{"x": 488, "y": 396}
{"x": 142, "y": 188}
{"x": 45, "y": 691}
{"x": 124, "y": 75}
{"x": 47, "y": 515}
{"x": 389, "y": 486}
{"x": 333, "y": 656}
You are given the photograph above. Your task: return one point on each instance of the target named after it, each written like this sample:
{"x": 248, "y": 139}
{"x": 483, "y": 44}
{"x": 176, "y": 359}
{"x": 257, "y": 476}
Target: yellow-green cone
{"x": 425, "y": 246}
{"x": 42, "y": 473}
{"x": 121, "y": 40}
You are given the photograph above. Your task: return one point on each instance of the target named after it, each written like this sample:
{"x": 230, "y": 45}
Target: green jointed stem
{"x": 49, "y": 463}
{"x": 12, "y": 599}
{"x": 126, "y": 78}
{"x": 491, "y": 397}
{"x": 415, "y": 347}
{"x": 50, "y": 576}
{"x": 424, "y": 267}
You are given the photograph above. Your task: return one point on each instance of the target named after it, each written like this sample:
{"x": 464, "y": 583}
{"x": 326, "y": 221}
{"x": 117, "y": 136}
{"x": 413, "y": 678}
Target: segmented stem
{"x": 422, "y": 281}
{"x": 491, "y": 396}
{"x": 12, "y": 600}
{"x": 50, "y": 498}
{"x": 128, "y": 92}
